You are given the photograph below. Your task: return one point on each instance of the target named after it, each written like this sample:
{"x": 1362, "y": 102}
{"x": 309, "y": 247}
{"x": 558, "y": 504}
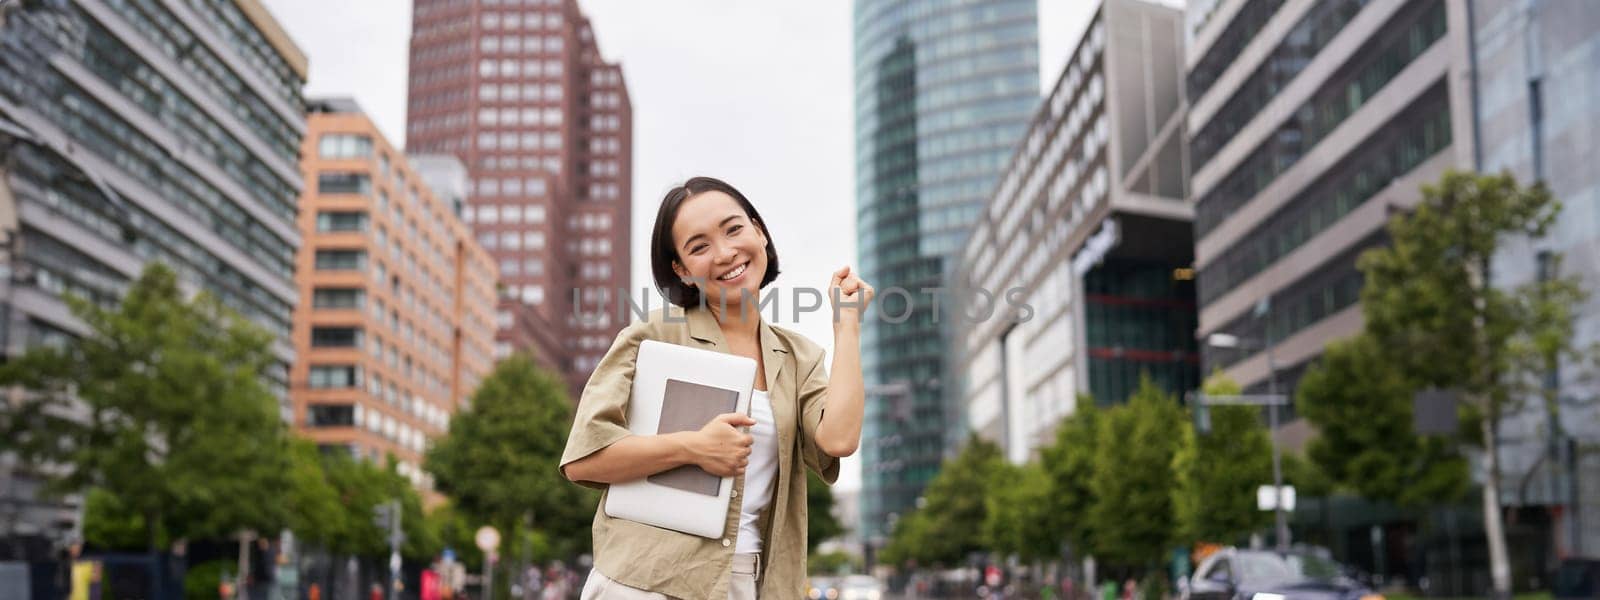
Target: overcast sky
{"x": 756, "y": 93}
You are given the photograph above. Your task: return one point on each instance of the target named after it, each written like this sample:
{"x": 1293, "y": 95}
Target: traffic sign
{"x": 487, "y": 538}
{"x": 1266, "y": 499}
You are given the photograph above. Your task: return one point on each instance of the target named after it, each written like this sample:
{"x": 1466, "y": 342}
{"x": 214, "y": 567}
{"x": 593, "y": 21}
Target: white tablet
{"x": 678, "y": 388}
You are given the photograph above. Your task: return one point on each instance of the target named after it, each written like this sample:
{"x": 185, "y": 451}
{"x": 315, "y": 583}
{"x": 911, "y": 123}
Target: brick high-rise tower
{"x": 517, "y": 90}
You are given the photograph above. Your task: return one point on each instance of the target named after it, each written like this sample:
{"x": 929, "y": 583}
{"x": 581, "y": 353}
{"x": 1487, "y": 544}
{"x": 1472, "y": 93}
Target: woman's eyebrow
{"x": 720, "y": 225}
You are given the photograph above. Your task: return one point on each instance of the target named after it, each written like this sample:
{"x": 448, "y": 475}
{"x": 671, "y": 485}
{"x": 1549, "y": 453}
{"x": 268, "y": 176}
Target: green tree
{"x": 1307, "y": 477}
{"x": 361, "y": 487}
{"x": 949, "y": 524}
{"x": 1069, "y": 464}
{"x": 499, "y": 463}
{"x": 1217, "y": 473}
{"x": 108, "y": 524}
{"x": 1133, "y": 480}
{"x": 166, "y": 412}
{"x": 1431, "y": 304}
{"x": 821, "y": 525}
{"x": 1017, "y": 508}
{"x": 1360, "y": 400}
{"x": 316, "y": 513}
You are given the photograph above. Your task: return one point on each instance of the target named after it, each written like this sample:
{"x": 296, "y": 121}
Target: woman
{"x": 711, "y": 255}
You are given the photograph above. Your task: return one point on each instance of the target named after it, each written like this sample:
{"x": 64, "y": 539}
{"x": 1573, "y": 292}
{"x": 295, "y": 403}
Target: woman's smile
{"x": 736, "y": 274}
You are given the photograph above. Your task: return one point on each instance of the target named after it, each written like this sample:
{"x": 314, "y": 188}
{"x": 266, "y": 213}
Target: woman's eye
{"x": 735, "y": 229}
{"x": 697, "y": 249}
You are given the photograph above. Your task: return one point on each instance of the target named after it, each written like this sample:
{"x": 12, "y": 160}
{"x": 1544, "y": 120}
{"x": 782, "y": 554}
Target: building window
{"x": 335, "y": 337}
{"x": 533, "y": 294}
{"x": 344, "y": 183}
{"x": 341, "y": 221}
{"x": 344, "y": 145}
{"x": 488, "y": 187}
{"x": 334, "y": 376}
{"x": 1536, "y": 125}
{"x": 338, "y": 298}
{"x": 331, "y": 415}
{"x": 341, "y": 260}
{"x": 489, "y": 214}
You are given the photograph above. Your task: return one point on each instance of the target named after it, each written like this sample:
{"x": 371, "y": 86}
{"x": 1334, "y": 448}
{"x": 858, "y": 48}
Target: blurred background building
{"x": 395, "y": 326}
{"x": 1537, "y": 77}
{"x": 1311, "y": 124}
{"x": 134, "y": 132}
{"x": 1089, "y": 223}
{"x": 943, "y": 90}
{"x": 518, "y": 92}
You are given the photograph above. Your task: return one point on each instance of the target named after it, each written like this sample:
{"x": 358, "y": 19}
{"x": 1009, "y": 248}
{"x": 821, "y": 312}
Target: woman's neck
{"x": 736, "y": 320}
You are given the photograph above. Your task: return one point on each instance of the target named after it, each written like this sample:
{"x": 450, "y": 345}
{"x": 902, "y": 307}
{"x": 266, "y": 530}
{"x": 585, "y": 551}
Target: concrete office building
{"x": 1089, "y": 223}
{"x": 1309, "y": 123}
{"x": 1538, "y": 104}
{"x": 943, "y": 91}
{"x": 517, "y": 90}
{"x": 395, "y": 326}
{"x": 133, "y": 132}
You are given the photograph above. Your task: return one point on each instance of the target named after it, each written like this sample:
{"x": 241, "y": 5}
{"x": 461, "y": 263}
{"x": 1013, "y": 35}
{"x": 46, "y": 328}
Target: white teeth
{"x": 734, "y": 273}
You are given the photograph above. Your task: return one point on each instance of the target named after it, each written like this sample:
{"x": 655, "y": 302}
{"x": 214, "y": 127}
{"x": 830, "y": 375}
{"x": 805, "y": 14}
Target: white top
{"x": 761, "y": 476}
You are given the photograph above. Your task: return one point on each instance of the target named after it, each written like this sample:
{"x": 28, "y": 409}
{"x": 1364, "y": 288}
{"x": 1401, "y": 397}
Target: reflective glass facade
{"x": 943, "y": 91}
{"x": 1139, "y": 320}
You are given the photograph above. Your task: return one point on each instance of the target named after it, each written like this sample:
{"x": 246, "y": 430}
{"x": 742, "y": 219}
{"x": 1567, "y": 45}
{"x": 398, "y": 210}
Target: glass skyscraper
{"x": 943, "y": 91}
{"x": 1088, "y": 228}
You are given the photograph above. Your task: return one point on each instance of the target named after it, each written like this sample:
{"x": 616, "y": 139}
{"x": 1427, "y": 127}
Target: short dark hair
{"x": 663, "y": 251}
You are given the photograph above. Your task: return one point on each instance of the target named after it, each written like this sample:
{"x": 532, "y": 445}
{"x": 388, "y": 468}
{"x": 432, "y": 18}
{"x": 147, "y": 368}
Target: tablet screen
{"x": 688, "y": 407}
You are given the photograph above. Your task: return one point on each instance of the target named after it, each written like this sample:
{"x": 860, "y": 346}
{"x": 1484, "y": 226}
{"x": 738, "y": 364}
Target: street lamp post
{"x": 1280, "y": 518}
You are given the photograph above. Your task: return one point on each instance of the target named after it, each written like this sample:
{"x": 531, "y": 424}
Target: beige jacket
{"x": 687, "y": 566}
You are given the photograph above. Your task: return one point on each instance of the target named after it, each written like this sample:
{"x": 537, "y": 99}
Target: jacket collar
{"x": 703, "y": 327}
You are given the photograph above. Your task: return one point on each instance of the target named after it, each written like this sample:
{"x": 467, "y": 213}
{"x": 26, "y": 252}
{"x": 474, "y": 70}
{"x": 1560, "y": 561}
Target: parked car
{"x": 823, "y": 588}
{"x": 1577, "y": 578}
{"x": 1234, "y": 574}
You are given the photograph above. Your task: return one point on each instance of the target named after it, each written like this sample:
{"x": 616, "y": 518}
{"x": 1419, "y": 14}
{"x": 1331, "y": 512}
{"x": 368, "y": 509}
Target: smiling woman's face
{"x": 720, "y": 250}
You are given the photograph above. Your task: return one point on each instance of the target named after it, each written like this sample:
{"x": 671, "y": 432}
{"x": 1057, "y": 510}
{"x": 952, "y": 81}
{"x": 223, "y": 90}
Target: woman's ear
{"x": 761, "y": 230}
{"x": 682, "y": 273}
